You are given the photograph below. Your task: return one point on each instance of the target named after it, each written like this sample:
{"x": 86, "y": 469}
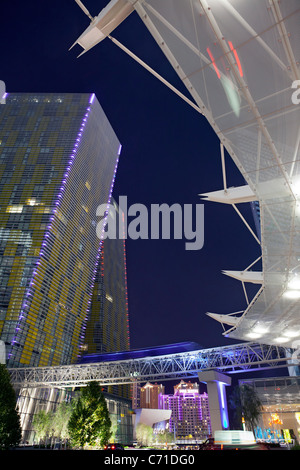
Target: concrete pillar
{"x": 216, "y": 383}
{"x": 2, "y": 353}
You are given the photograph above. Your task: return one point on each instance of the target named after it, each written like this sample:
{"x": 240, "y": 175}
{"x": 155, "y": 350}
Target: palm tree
{"x": 246, "y": 404}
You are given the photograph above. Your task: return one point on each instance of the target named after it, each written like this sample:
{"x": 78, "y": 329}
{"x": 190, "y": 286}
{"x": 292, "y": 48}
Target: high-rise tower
{"x": 58, "y": 158}
{"x": 107, "y": 328}
{"x": 108, "y": 324}
{"x": 150, "y": 394}
{"x": 190, "y": 411}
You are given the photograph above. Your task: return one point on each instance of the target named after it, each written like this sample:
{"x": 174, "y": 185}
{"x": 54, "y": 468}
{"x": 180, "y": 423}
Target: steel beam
{"x": 243, "y": 357}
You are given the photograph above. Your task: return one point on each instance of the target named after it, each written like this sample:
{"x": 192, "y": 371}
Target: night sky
{"x": 169, "y": 155}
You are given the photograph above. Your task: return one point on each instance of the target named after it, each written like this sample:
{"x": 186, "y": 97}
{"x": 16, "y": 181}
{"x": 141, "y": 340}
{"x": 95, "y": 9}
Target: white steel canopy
{"x": 239, "y": 60}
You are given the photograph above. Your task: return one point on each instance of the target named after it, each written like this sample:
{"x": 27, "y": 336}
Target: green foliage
{"x": 10, "y": 427}
{"x": 85, "y": 420}
{"x": 90, "y": 424}
{"x": 60, "y": 420}
{"x": 114, "y": 428}
{"x": 144, "y": 434}
{"x": 52, "y": 424}
{"x": 246, "y": 403}
{"x": 42, "y": 424}
{"x": 165, "y": 437}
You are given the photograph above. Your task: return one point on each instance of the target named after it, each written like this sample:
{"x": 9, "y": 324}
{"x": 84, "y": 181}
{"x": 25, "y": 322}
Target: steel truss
{"x": 229, "y": 359}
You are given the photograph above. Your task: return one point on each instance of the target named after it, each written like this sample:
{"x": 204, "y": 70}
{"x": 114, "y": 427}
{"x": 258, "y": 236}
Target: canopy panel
{"x": 240, "y": 61}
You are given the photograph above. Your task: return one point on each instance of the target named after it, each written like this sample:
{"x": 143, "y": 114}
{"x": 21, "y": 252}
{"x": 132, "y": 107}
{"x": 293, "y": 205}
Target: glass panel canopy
{"x": 240, "y": 61}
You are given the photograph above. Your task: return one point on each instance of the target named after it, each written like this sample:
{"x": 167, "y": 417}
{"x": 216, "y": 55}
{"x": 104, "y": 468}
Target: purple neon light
{"x": 22, "y": 315}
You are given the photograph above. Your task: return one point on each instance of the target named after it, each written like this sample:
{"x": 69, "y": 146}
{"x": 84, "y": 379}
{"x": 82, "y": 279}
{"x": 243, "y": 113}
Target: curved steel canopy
{"x": 239, "y": 60}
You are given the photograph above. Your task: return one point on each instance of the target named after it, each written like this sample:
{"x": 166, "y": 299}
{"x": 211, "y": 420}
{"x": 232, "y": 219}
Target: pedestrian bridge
{"x": 148, "y": 365}
{"x": 212, "y": 366}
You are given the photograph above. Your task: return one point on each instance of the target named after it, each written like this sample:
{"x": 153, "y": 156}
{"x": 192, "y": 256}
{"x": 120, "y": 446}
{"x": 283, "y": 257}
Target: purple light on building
{"x": 23, "y": 312}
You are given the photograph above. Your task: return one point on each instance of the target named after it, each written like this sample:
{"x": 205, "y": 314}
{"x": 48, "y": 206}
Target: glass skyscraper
{"x": 58, "y": 159}
{"x": 108, "y": 324}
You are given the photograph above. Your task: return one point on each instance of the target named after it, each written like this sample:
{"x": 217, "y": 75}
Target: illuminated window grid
{"x": 107, "y": 328}
{"x": 64, "y": 325}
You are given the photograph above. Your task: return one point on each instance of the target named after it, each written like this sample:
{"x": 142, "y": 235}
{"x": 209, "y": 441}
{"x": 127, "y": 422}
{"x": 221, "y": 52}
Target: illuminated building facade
{"x": 108, "y": 325}
{"x": 190, "y": 412}
{"x": 149, "y": 395}
{"x": 58, "y": 158}
{"x": 107, "y": 328}
{"x": 279, "y": 419}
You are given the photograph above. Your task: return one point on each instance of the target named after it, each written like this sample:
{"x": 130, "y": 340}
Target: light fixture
{"x": 292, "y": 294}
{"x": 253, "y": 335}
{"x": 260, "y": 329}
{"x": 291, "y": 333}
{"x": 281, "y": 339}
{"x": 294, "y": 283}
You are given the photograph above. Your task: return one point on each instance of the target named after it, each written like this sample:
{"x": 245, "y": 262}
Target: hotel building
{"x": 149, "y": 395}
{"x": 190, "y": 412}
{"x": 58, "y": 159}
{"x": 108, "y": 324}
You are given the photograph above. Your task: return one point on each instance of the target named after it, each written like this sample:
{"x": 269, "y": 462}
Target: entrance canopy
{"x": 239, "y": 60}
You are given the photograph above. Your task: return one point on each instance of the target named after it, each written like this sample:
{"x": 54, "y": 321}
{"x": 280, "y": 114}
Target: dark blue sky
{"x": 169, "y": 155}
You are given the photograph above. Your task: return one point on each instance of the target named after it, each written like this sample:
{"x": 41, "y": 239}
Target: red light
{"x": 213, "y": 62}
{"x": 238, "y": 63}
{"x": 236, "y": 58}
{"x": 112, "y": 447}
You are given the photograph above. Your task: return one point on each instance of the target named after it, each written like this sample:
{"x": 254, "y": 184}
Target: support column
{"x": 217, "y": 403}
{"x": 2, "y": 353}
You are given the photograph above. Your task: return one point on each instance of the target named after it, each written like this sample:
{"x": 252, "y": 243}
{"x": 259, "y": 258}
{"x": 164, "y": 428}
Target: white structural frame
{"x": 267, "y": 193}
{"x": 271, "y": 166}
{"x": 238, "y": 358}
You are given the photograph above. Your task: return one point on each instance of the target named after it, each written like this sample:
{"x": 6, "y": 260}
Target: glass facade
{"x": 108, "y": 327}
{"x": 58, "y": 158}
{"x": 279, "y": 420}
{"x": 122, "y": 419}
{"x": 31, "y": 401}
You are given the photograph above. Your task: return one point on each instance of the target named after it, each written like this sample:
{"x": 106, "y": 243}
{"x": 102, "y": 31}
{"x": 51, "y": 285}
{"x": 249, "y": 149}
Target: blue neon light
{"x": 224, "y": 416}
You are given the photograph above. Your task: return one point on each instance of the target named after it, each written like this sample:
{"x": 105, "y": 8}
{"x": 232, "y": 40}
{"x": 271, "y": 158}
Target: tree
{"x": 10, "y": 426}
{"x": 53, "y": 424}
{"x": 246, "y": 404}
{"x": 114, "y": 427}
{"x": 165, "y": 437}
{"x": 61, "y": 419}
{"x": 42, "y": 424}
{"x": 89, "y": 424}
{"x": 144, "y": 434}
